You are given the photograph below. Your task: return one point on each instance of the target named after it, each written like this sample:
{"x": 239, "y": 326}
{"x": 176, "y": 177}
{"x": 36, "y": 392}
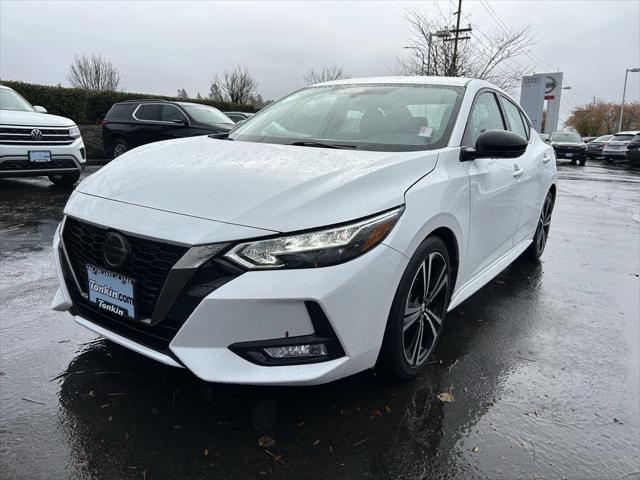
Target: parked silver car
{"x": 616, "y": 148}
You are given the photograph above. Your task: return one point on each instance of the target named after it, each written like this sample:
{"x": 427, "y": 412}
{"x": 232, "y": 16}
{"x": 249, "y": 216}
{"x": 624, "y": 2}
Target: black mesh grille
{"x": 148, "y": 263}
{"x": 12, "y": 165}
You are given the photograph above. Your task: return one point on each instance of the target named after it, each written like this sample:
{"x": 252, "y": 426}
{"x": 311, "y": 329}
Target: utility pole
{"x": 452, "y": 68}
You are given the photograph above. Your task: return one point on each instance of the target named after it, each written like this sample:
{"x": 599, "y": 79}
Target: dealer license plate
{"x": 112, "y": 292}
{"x": 39, "y": 156}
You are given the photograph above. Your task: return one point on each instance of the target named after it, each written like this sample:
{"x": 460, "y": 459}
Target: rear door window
{"x": 149, "y": 112}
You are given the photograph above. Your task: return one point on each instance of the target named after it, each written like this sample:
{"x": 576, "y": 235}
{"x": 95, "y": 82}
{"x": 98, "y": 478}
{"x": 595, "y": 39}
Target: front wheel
{"x": 582, "y": 162}
{"x": 418, "y": 311}
{"x": 64, "y": 179}
{"x": 536, "y": 249}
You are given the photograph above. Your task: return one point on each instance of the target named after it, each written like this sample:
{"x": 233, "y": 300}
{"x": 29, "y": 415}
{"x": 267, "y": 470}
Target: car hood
{"x": 11, "y": 117}
{"x": 274, "y": 187}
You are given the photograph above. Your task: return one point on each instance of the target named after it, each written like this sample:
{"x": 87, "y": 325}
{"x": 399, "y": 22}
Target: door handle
{"x": 517, "y": 171}
{"x": 546, "y": 158}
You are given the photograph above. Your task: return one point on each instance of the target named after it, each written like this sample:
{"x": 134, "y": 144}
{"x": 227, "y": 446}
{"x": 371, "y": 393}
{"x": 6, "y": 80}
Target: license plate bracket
{"x": 39, "y": 156}
{"x": 112, "y": 292}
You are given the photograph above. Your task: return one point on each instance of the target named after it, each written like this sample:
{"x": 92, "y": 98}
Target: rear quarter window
{"x": 119, "y": 112}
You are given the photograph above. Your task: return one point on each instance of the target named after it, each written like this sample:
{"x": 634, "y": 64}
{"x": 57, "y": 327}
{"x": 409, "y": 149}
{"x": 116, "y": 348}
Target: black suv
{"x": 133, "y": 123}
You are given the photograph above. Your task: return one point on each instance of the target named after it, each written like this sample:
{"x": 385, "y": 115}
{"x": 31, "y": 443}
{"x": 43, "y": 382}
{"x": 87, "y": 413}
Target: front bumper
{"x": 355, "y": 298}
{"x": 14, "y": 160}
{"x": 570, "y": 153}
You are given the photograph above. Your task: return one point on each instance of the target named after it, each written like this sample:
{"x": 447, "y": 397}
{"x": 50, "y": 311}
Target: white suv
{"x": 34, "y": 143}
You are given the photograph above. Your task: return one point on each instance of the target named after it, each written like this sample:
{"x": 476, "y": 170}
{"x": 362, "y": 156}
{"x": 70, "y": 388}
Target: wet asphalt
{"x": 543, "y": 365}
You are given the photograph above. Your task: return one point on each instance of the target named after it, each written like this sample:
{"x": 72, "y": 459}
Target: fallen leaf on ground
{"x": 206, "y": 452}
{"x": 266, "y": 441}
{"x": 446, "y": 397}
{"x": 316, "y": 442}
{"x": 475, "y": 449}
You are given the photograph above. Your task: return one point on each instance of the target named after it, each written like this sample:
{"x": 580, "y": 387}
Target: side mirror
{"x": 495, "y": 144}
{"x": 39, "y": 109}
{"x": 180, "y": 121}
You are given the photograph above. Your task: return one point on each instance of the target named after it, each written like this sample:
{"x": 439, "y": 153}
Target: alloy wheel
{"x": 118, "y": 149}
{"x": 544, "y": 222}
{"x": 425, "y": 309}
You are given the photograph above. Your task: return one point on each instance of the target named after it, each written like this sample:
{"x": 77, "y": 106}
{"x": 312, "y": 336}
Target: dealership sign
{"x": 535, "y": 90}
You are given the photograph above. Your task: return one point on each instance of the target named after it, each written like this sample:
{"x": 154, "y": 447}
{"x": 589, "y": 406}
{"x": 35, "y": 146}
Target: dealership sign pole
{"x": 535, "y": 90}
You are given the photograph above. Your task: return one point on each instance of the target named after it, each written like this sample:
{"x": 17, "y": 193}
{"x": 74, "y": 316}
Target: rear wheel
{"x": 119, "y": 147}
{"x": 418, "y": 311}
{"x": 64, "y": 179}
{"x": 536, "y": 249}
{"x": 582, "y": 162}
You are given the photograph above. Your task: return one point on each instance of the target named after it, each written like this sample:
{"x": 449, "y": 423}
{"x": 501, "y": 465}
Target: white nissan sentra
{"x": 328, "y": 234}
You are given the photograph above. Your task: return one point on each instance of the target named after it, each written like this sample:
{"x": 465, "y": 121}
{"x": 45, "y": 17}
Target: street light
{"x": 624, "y": 91}
{"x": 439, "y": 34}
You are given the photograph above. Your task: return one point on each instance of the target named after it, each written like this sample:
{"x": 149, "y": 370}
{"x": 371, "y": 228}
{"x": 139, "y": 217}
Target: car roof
{"x": 412, "y": 80}
{"x": 148, "y": 100}
{"x": 5, "y": 87}
{"x": 628, "y": 132}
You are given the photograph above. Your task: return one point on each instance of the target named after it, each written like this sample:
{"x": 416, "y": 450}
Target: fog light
{"x": 297, "y": 351}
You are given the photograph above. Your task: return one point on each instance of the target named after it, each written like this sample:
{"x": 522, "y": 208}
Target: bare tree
{"x": 182, "y": 93}
{"x": 326, "y": 74}
{"x": 94, "y": 73}
{"x": 489, "y": 58}
{"x": 236, "y": 86}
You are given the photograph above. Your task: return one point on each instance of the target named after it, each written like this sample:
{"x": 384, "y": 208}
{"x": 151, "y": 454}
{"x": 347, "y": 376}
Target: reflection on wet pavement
{"x": 543, "y": 366}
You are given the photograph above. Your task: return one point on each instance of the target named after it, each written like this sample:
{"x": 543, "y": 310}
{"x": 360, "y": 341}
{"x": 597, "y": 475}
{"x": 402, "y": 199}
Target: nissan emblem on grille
{"x": 36, "y": 134}
{"x": 115, "y": 250}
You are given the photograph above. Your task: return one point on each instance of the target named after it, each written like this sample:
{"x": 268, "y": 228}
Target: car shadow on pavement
{"x": 126, "y": 416}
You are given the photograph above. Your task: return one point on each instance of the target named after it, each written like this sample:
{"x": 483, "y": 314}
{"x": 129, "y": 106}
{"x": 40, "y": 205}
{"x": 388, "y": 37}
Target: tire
{"x": 119, "y": 147}
{"x": 417, "y": 315}
{"x": 582, "y": 162}
{"x": 64, "y": 179}
{"x": 536, "y": 249}
{"x": 573, "y": 162}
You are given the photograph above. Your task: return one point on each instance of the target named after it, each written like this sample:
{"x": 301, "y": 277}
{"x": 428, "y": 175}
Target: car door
{"x": 175, "y": 123}
{"x": 149, "y": 123}
{"x": 494, "y": 200}
{"x": 530, "y": 184}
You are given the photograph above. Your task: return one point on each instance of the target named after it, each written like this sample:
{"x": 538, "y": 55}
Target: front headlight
{"x": 74, "y": 132}
{"x": 319, "y": 248}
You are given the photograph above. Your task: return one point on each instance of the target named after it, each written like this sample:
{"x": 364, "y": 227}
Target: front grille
{"x": 23, "y": 136}
{"x": 149, "y": 264}
{"x": 12, "y": 165}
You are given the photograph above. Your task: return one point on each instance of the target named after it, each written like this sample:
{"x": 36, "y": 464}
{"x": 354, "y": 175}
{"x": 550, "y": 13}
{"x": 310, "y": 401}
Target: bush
{"x": 90, "y": 107}
{"x": 92, "y": 137}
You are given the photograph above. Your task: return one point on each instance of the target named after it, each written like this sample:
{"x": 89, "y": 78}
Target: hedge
{"x": 90, "y": 107}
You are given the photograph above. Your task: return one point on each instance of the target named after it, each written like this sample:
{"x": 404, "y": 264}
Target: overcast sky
{"x": 162, "y": 46}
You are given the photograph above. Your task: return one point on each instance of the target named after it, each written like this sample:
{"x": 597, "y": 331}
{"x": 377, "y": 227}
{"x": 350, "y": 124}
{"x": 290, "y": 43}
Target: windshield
{"x": 603, "y": 138}
{"x": 566, "y": 137}
{"x": 205, "y": 114}
{"x": 10, "y": 100}
{"x": 366, "y": 117}
{"x": 625, "y": 137}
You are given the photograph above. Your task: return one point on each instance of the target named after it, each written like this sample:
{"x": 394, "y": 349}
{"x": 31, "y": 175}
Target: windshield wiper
{"x": 311, "y": 143}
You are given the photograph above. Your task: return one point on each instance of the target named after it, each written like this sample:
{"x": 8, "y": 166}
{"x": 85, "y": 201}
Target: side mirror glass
{"x": 496, "y": 144}
{"x": 39, "y": 109}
